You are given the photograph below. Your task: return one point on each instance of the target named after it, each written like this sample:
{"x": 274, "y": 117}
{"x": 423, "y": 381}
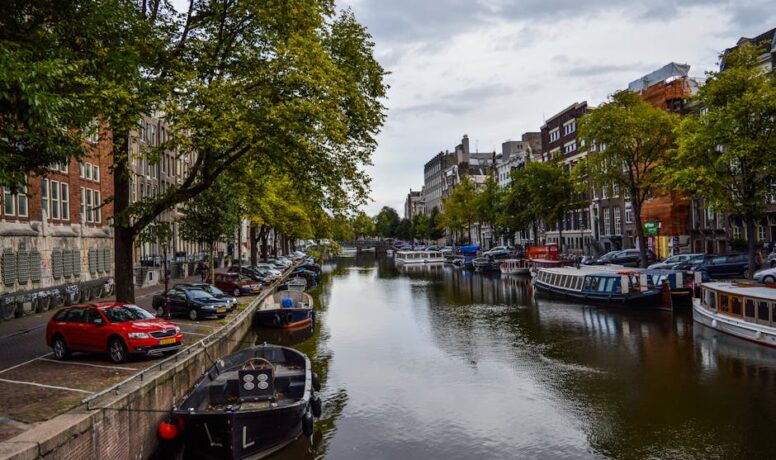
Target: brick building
{"x": 55, "y": 234}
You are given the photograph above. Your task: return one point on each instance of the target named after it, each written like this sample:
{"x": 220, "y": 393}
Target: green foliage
{"x": 404, "y": 229}
{"x": 459, "y": 209}
{"x": 435, "y": 232}
{"x": 489, "y": 203}
{"x": 638, "y": 138}
{"x": 421, "y": 227}
{"x": 727, "y": 155}
{"x": 211, "y": 216}
{"x": 363, "y": 226}
{"x": 387, "y": 223}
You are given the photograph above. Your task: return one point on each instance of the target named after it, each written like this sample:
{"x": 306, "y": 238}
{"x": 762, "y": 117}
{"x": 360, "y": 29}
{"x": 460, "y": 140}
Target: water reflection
{"x": 435, "y": 362}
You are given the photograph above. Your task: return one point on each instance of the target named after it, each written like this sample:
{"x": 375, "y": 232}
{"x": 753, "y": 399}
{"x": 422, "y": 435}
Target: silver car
{"x": 766, "y": 276}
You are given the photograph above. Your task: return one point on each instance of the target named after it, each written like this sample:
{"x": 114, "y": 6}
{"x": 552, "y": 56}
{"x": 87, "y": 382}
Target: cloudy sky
{"x": 494, "y": 69}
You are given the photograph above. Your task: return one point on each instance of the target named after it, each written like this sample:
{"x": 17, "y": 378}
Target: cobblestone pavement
{"x": 34, "y": 387}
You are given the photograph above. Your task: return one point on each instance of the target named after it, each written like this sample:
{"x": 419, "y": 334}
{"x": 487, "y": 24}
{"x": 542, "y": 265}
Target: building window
{"x": 736, "y": 232}
{"x": 607, "y": 221}
{"x": 54, "y": 199}
{"x": 709, "y": 217}
{"x": 65, "y": 201}
{"x": 617, "y": 221}
{"x": 9, "y": 203}
{"x": 97, "y": 208}
{"x": 22, "y": 202}
{"x": 554, "y": 134}
{"x": 44, "y": 197}
{"x": 615, "y": 190}
{"x": 569, "y": 127}
{"x": 96, "y": 173}
{"x": 628, "y": 213}
{"x": 88, "y": 171}
{"x": 720, "y": 221}
{"x": 83, "y": 204}
{"x": 80, "y": 170}
{"x": 570, "y": 147}
{"x": 760, "y": 233}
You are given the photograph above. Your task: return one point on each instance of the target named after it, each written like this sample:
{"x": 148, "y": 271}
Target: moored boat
{"x": 485, "y": 264}
{"x": 285, "y": 309}
{"x": 743, "y": 310}
{"x": 249, "y": 404}
{"x": 515, "y": 266}
{"x": 587, "y": 285}
{"x": 419, "y": 257}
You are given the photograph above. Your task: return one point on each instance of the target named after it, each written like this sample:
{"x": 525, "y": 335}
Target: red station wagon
{"x": 236, "y": 284}
{"x": 118, "y": 329}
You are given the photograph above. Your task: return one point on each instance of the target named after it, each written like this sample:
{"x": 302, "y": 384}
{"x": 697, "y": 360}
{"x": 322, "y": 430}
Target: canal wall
{"x": 121, "y": 422}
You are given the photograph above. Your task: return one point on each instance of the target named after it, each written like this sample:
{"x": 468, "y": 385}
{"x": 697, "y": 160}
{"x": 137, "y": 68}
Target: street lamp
{"x": 167, "y": 314}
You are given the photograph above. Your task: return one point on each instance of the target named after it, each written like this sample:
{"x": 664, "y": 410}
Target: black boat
{"x": 249, "y": 404}
{"x": 486, "y": 264}
{"x": 285, "y": 309}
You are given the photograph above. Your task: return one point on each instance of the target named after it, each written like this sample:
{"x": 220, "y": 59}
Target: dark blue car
{"x": 723, "y": 266}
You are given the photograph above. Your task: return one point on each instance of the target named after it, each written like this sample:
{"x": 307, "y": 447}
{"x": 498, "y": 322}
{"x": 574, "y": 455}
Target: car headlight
{"x": 177, "y": 330}
{"x": 137, "y": 335}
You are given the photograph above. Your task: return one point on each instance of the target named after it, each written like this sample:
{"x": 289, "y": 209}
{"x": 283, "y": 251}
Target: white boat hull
{"x": 758, "y": 333}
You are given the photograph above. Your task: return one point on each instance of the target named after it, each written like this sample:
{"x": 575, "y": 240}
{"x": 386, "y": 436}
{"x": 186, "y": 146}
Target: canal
{"x": 440, "y": 363}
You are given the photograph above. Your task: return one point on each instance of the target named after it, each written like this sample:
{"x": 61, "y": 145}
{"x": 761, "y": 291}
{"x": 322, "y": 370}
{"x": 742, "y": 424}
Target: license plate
{"x": 222, "y": 310}
{"x": 167, "y": 341}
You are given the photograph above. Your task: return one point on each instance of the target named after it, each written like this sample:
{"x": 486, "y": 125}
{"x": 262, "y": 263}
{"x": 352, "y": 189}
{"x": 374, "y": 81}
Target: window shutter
{"x": 76, "y": 259}
{"x": 23, "y": 266}
{"x": 9, "y": 266}
{"x": 92, "y": 261}
{"x": 100, "y": 260}
{"x": 107, "y": 259}
{"x": 35, "y": 271}
{"x": 67, "y": 263}
{"x": 56, "y": 263}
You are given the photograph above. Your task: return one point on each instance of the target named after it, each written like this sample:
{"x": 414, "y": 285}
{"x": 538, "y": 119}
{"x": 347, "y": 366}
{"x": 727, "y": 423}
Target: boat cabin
{"x": 751, "y": 303}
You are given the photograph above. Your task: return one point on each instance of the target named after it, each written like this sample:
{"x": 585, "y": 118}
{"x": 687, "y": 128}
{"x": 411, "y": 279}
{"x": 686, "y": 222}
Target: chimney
{"x": 465, "y": 144}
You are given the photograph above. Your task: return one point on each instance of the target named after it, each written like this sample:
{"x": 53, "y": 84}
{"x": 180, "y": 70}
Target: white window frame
{"x": 96, "y": 173}
{"x": 8, "y": 198}
{"x": 97, "y": 207}
{"x": 44, "y": 197}
{"x": 54, "y": 207}
{"x": 617, "y": 221}
{"x": 83, "y": 204}
{"x": 22, "y": 197}
{"x": 88, "y": 168}
{"x": 64, "y": 199}
{"x": 89, "y": 215}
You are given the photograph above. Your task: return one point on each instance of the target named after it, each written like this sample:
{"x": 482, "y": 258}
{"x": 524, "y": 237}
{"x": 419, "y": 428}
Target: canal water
{"x": 440, "y": 363}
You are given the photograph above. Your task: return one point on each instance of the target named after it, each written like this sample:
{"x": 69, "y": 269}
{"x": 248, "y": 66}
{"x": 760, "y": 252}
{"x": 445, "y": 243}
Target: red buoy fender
{"x": 168, "y": 430}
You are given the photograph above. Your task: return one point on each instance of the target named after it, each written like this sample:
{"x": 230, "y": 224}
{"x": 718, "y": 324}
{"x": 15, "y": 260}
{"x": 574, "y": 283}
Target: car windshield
{"x": 198, "y": 294}
{"x": 125, "y": 313}
{"x": 212, "y": 290}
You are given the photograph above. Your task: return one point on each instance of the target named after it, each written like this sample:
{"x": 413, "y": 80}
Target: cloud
{"x": 459, "y": 102}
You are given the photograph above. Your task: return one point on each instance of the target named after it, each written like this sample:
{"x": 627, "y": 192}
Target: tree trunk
{"x": 642, "y": 238}
{"x": 560, "y": 238}
{"x": 254, "y": 248}
{"x": 123, "y": 235}
{"x": 752, "y": 244}
{"x": 274, "y": 243}
{"x": 212, "y": 263}
{"x": 264, "y": 232}
{"x": 535, "y": 233}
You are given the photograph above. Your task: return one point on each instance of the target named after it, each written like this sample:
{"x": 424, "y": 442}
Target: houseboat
{"x": 249, "y": 404}
{"x": 419, "y": 257}
{"x": 515, "y": 266}
{"x": 285, "y": 309}
{"x": 538, "y": 264}
{"x": 746, "y": 311}
{"x": 626, "y": 289}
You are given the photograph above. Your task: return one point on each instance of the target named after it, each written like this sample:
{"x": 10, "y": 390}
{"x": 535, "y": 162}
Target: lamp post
{"x": 167, "y": 314}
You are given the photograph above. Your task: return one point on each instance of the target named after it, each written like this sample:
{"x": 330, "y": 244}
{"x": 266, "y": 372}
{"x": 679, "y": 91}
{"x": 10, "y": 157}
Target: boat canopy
{"x": 472, "y": 249}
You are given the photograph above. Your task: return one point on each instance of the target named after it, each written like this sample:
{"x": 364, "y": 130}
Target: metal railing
{"x": 192, "y": 350}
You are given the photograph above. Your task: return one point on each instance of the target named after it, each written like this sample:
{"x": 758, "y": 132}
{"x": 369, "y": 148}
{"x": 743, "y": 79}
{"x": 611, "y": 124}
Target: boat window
{"x": 611, "y": 284}
{"x": 587, "y": 283}
{"x": 563, "y": 280}
{"x": 762, "y": 311}
{"x": 724, "y": 305}
{"x": 602, "y": 285}
{"x": 749, "y": 308}
{"x": 736, "y": 306}
{"x": 579, "y": 283}
{"x": 711, "y": 299}
{"x": 569, "y": 281}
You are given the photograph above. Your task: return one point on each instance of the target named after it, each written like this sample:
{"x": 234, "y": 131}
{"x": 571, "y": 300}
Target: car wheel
{"x": 193, "y": 314}
{"x": 769, "y": 279}
{"x": 236, "y": 292}
{"x": 60, "y": 348}
{"x": 117, "y": 351}
{"x": 160, "y": 312}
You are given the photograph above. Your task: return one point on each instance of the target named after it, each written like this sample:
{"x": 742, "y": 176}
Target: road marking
{"x": 54, "y": 387}
{"x": 26, "y": 362}
{"x": 88, "y": 364}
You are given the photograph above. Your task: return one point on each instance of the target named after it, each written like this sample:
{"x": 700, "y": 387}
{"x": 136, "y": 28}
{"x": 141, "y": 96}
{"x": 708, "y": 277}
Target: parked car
{"x": 231, "y": 301}
{"x": 770, "y": 261}
{"x": 500, "y": 252}
{"x": 278, "y": 263}
{"x": 269, "y": 270}
{"x": 688, "y": 264}
{"x": 632, "y": 258}
{"x": 248, "y": 271}
{"x": 604, "y": 259}
{"x": 767, "y": 275}
{"x": 194, "y": 303}
{"x": 673, "y": 261}
{"x": 724, "y": 266}
{"x": 237, "y": 284}
{"x": 118, "y": 329}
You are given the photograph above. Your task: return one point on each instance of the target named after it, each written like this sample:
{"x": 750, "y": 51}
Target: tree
{"x": 632, "y": 139}
{"x": 460, "y": 208}
{"x": 517, "y": 212}
{"x": 488, "y": 205}
{"x": 263, "y": 86}
{"x": 211, "y": 216}
{"x": 420, "y": 227}
{"x": 404, "y": 229}
{"x": 362, "y": 225}
{"x": 61, "y": 64}
{"x": 435, "y": 232}
{"x": 387, "y": 222}
{"x": 727, "y": 155}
